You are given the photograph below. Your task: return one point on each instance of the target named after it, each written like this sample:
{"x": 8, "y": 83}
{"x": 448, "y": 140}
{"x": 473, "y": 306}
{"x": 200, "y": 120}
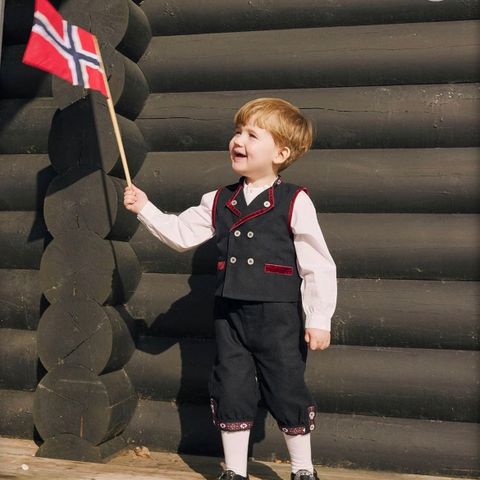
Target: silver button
{"x": 250, "y": 261}
{"x": 266, "y": 203}
{"x": 233, "y": 259}
{"x": 250, "y": 234}
{"x": 234, "y": 202}
{"x": 237, "y": 233}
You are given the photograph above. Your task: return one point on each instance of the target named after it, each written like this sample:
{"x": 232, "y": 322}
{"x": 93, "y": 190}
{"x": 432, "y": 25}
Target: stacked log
{"x": 184, "y": 17}
{"x": 89, "y": 270}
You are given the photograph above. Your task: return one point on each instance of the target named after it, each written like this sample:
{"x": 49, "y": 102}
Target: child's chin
{"x": 238, "y": 166}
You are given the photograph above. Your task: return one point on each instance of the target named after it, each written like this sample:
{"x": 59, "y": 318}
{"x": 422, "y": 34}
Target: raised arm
{"x": 184, "y": 231}
{"x": 315, "y": 265}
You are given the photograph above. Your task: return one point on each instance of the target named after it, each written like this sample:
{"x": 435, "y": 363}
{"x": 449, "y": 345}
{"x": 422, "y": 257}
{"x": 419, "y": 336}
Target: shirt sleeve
{"x": 184, "y": 231}
{"x": 315, "y": 265}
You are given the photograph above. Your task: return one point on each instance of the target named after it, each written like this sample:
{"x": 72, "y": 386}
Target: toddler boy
{"x": 272, "y": 263}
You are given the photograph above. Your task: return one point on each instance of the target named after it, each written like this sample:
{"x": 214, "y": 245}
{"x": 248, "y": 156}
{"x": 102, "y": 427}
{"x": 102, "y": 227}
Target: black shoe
{"x": 231, "y": 475}
{"x": 304, "y": 475}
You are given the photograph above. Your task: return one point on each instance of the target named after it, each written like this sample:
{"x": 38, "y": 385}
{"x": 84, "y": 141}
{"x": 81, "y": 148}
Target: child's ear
{"x": 283, "y": 155}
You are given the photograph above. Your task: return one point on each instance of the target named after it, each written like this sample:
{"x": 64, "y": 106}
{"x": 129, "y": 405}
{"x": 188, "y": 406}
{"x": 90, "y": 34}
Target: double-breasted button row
{"x": 250, "y": 260}
{"x": 237, "y": 233}
{"x": 266, "y": 203}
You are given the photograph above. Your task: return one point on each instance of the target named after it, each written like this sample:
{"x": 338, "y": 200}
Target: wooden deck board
{"x": 158, "y": 465}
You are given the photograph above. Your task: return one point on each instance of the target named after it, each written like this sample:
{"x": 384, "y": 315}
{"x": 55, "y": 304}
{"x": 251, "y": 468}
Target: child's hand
{"x": 317, "y": 338}
{"x": 134, "y": 199}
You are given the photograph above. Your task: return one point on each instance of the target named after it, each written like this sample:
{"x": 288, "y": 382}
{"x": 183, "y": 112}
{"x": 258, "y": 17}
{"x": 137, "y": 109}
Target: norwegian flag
{"x": 63, "y": 49}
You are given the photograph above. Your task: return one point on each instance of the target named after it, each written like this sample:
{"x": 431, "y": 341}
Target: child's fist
{"x": 134, "y": 199}
{"x": 317, "y": 338}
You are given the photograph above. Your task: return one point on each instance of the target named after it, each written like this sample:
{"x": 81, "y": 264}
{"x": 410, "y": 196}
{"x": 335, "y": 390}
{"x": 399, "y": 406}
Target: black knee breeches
{"x": 261, "y": 351}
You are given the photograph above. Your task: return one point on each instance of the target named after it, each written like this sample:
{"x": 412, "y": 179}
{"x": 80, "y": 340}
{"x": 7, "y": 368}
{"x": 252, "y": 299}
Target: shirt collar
{"x": 249, "y": 187}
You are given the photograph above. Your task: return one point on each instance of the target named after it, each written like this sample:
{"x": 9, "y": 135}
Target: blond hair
{"x": 288, "y": 127}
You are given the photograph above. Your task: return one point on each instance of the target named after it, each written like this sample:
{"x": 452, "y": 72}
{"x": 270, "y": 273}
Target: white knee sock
{"x": 300, "y": 450}
{"x": 235, "y": 449}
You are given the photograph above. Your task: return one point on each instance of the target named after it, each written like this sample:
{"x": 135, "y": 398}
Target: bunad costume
{"x": 272, "y": 263}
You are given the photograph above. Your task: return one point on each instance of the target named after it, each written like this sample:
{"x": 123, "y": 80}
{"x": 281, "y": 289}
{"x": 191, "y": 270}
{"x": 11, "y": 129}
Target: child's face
{"x": 253, "y": 151}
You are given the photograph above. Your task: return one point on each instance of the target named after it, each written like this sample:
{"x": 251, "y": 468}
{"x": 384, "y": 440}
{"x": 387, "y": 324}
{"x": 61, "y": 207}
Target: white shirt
{"x": 316, "y": 267}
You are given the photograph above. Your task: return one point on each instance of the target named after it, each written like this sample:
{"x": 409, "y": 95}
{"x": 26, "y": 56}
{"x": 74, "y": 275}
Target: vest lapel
{"x": 233, "y": 199}
{"x": 237, "y": 201}
{"x": 242, "y": 202}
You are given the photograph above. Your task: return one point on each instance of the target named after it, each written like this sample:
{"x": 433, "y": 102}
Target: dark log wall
{"x": 393, "y": 89}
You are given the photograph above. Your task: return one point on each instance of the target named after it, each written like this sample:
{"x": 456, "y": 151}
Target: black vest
{"x": 256, "y": 254}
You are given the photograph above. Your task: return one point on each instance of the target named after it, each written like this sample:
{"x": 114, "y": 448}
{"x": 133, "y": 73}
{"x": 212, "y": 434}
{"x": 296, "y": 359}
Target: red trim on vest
{"x": 256, "y": 213}
{"x": 214, "y": 207}
{"x": 290, "y": 210}
{"x": 235, "y": 210}
{"x": 220, "y": 264}
{"x": 281, "y": 269}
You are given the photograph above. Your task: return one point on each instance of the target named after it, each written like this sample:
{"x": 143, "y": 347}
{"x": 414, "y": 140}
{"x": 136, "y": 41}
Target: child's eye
{"x": 251, "y": 134}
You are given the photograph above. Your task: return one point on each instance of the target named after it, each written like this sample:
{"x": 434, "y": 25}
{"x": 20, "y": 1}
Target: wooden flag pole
{"x": 111, "y": 109}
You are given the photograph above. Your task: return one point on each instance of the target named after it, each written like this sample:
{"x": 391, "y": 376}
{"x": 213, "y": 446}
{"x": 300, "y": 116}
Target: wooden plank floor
{"x": 18, "y": 461}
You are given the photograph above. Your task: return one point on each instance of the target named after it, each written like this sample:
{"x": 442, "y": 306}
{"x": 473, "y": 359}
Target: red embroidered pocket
{"x": 220, "y": 264}
{"x": 281, "y": 269}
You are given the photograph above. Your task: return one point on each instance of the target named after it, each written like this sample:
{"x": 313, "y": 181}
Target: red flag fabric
{"x": 63, "y": 49}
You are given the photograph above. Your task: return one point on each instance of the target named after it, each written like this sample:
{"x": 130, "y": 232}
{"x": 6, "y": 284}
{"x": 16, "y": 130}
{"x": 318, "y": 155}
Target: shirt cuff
{"x": 315, "y": 320}
{"x": 147, "y": 211}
